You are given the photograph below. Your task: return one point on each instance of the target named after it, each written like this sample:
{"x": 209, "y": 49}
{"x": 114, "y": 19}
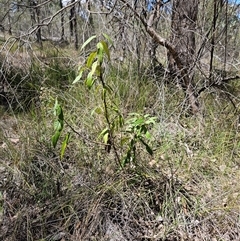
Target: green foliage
{"x": 133, "y": 130}
{"x": 64, "y": 145}
{"x": 137, "y": 126}
{"x": 58, "y": 127}
{"x": 58, "y": 123}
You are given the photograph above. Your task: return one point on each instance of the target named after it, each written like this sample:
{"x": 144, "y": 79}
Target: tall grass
{"x": 188, "y": 189}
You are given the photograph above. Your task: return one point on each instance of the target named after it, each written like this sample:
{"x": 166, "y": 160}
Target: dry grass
{"x": 189, "y": 189}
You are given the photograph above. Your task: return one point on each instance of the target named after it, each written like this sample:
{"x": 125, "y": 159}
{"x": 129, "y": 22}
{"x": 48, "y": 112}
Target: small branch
{"x": 100, "y": 12}
{"x": 111, "y": 137}
{"x": 82, "y": 136}
{"x": 46, "y": 21}
{"x": 217, "y": 83}
{"x": 230, "y": 78}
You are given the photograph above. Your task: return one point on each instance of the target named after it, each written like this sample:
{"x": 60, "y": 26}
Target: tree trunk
{"x": 38, "y": 34}
{"x": 153, "y": 20}
{"x": 90, "y": 17}
{"x": 184, "y": 17}
{"x": 9, "y": 23}
{"x": 71, "y": 18}
{"x": 73, "y": 24}
{"x": 62, "y": 20}
{"x": 35, "y": 17}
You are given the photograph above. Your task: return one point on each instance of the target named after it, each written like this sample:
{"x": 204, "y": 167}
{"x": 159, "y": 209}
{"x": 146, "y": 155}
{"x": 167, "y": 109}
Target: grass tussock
{"x": 188, "y": 190}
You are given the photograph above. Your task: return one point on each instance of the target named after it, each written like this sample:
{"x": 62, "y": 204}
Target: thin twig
{"x": 217, "y": 83}
{"x": 82, "y": 136}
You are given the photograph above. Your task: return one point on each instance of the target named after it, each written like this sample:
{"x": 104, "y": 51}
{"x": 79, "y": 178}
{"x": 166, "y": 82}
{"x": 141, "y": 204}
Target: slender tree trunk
{"x": 71, "y": 18}
{"x": 217, "y": 7}
{"x": 35, "y": 17}
{"x": 62, "y": 20}
{"x": 90, "y": 17}
{"x": 32, "y": 12}
{"x": 153, "y": 22}
{"x": 39, "y": 34}
{"x": 73, "y": 24}
{"x": 184, "y": 17}
{"x": 75, "y": 31}
{"x": 9, "y": 21}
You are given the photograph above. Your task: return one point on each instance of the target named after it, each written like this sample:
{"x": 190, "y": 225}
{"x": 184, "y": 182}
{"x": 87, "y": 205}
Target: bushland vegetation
{"x": 119, "y": 120}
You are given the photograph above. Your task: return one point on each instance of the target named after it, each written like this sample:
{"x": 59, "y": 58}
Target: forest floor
{"x": 194, "y": 197}
{"x": 189, "y": 189}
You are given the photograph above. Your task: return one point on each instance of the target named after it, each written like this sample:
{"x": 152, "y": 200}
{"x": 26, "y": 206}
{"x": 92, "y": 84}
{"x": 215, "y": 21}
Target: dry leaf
{"x": 14, "y": 140}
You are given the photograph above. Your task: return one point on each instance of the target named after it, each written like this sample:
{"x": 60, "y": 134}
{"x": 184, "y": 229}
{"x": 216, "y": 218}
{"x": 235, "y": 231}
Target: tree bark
{"x": 183, "y": 27}
{"x": 38, "y": 33}
{"x": 73, "y": 24}
{"x": 62, "y": 20}
{"x": 35, "y": 17}
{"x": 71, "y": 18}
{"x": 153, "y": 22}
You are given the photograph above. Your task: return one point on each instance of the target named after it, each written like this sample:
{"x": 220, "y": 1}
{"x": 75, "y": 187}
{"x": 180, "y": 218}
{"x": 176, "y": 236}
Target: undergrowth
{"x": 187, "y": 190}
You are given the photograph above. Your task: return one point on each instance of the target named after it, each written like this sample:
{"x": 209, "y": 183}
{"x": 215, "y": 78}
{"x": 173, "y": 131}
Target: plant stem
{"x": 111, "y": 137}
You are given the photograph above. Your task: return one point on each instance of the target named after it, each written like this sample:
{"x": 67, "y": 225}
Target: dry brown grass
{"x": 189, "y": 189}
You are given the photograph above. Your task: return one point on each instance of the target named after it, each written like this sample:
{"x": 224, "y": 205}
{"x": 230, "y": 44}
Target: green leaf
{"x": 94, "y": 66}
{"x": 91, "y": 59}
{"x": 89, "y": 81}
{"x": 151, "y": 120}
{"x": 148, "y": 148}
{"x": 60, "y": 116}
{"x": 143, "y": 129}
{"x": 57, "y": 125}
{"x": 103, "y": 132}
{"x": 108, "y": 38}
{"x": 134, "y": 114}
{"x": 100, "y": 52}
{"x": 105, "y": 48}
{"x": 138, "y": 122}
{"x": 64, "y": 145}
{"x": 99, "y": 46}
{"x": 55, "y": 138}
{"x": 56, "y": 108}
{"x": 148, "y": 135}
{"x": 78, "y": 77}
{"x": 121, "y": 120}
{"x": 105, "y": 138}
{"x": 87, "y": 42}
